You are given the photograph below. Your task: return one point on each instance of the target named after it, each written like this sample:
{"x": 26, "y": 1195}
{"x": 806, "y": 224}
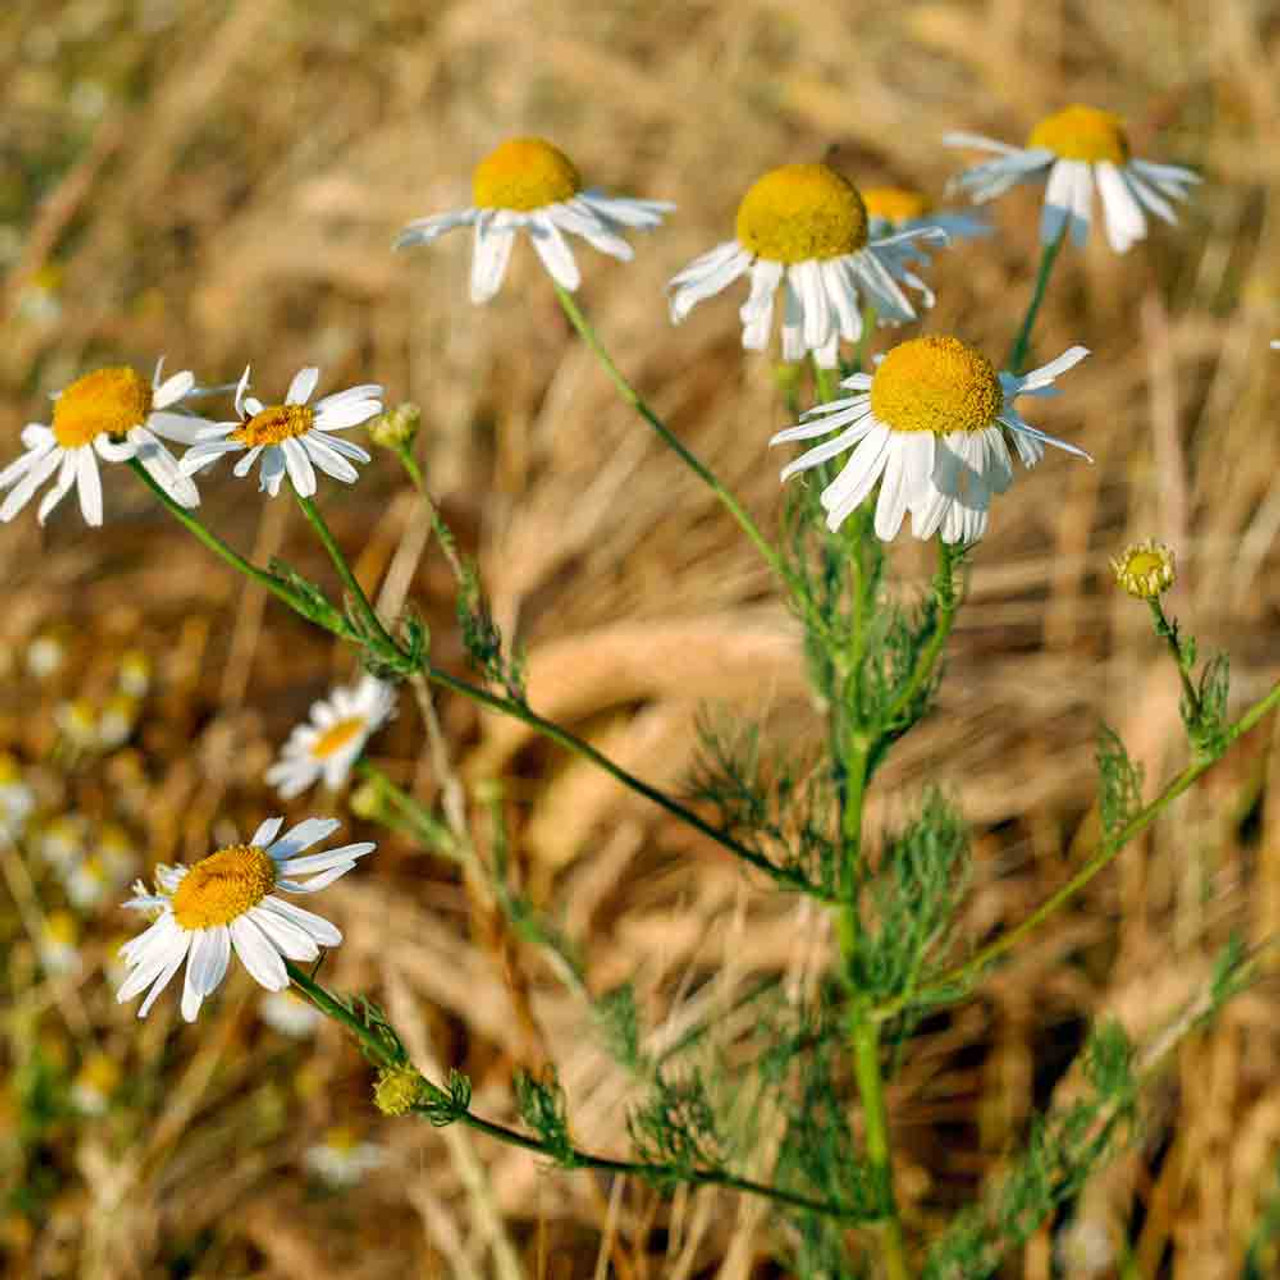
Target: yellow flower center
{"x": 802, "y": 211}
{"x": 223, "y": 886}
{"x": 275, "y": 423}
{"x": 110, "y": 400}
{"x": 1145, "y": 569}
{"x": 100, "y": 1073}
{"x": 894, "y": 204}
{"x": 524, "y": 174}
{"x": 936, "y": 384}
{"x": 336, "y": 736}
{"x": 1082, "y": 133}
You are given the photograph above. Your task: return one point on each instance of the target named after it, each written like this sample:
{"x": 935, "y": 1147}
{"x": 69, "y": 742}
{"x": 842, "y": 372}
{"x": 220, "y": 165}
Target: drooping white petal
{"x": 288, "y": 938}
{"x": 326, "y": 934}
{"x": 489, "y": 258}
{"x": 303, "y": 836}
{"x": 258, "y": 955}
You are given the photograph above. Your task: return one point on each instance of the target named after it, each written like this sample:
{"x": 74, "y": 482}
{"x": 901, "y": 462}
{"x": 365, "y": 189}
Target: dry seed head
{"x": 801, "y": 212}
{"x": 524, "y": 174}
{"x": 936, "y": 384}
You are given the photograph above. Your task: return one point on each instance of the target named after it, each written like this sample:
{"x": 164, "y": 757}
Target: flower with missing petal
{"x": 526, "y": 184}
{"x": 804, "y": 228}
{"x": 112, "y": 414}
{"x": 1077, "y": 149}
{"x": 930, "y": 426}
{"x": 228, "y": 900}
{"x": 293, "y": 437}
{"x": 327, "y": 747}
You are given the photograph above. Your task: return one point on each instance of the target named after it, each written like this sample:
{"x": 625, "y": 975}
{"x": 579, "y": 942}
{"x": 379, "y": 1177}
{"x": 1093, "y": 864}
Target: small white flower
{"x": 95, "y": 1084}
{"x": 134, "y": 678}
{"x": 341, "y": 1160}
{"x": 116, "y": 722}
{"x": 45, "y": 654}
{"x": 289, "y": 1014}
{"x": 293, "y": 437}
{"x": 63, "y": 841}
{"x": 1077, "y": 149}
{"x": 526, "y": 184}
{"x": 226, "y": 900}
{"x": 804, "y": 228}
{"x": 110, "y": 414}
{"x": 78, "y": 722}
{"x": 17, "y": 800}
{"x": 59, "y": 944}
{"x": 929, "y": 426}
{"x": 340, "y": 726}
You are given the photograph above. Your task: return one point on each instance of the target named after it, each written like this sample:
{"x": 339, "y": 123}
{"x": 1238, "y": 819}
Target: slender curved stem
{"x": 383, "y": 1054}
{"x": 1166, "y": 630}
{"x": 422, "y": 821}
{"x": 1048, "y": 256}
{"x": 277, "y": 586}
{"x": 731, "y": 504}
{"x": 962, "y": 974}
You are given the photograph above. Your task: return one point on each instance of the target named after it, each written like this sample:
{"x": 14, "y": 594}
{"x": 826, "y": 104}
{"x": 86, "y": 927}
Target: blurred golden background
{"x": 220, "y": 182}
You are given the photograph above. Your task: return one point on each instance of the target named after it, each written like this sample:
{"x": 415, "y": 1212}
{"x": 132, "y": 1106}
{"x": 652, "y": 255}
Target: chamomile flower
{"x": 290, "y": 1014}
{"x": 45, "y": 654}
{"x": 63, "y": 841}
{"x": 17, "y": 800}
{"x": 327, "y": 747}
{"x": 526, "y": 184}
{"x": 293, "y": 437}
{"x": 112, "y": 414}
{"x": 342, "y": 1160}
{"x": 804, "y": 228}
{"x": 929, "y": 425}
{"x": 1077, "y": 149}
{"x": 95, "y": 1084}
{"x": 227, "y": 901}
{"x": 59, "y": 943}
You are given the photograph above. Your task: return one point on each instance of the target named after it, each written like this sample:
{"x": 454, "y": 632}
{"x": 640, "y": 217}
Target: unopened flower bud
{"x": 1145, "y": 569}
{"x": 396, "y": 428}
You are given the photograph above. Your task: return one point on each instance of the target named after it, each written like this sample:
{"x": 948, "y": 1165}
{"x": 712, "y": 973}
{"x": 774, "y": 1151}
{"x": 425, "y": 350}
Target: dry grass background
{"x": 221, "y": 181}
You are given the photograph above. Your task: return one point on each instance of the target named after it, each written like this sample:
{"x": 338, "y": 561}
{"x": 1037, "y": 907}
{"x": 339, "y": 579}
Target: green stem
{"x": 866, "y": 1066}
{"x": 1048, "y": 256}
{"x": 444, "y": 535}
{"x": 372, "y": 622}
{"x": 277, "y": 586}
{"x": 563, "y": 737}
{"x": 421, "y": 821}
{"x": 868, "y": 330}
{"x": 1170, "y": 635}
{"x": 384, "y": 1054}
{"x": 588, "y": 334}
{"x": 948, "y": 601}
{"x": 962, "y": 974}
{"x": 826, "y": 383}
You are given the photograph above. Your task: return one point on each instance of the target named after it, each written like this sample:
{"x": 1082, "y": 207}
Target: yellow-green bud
{"x": 396, "y": 428}
{"x": 1145, "y": 569}
{"x": 397, "y": 1090}
{"x": 366, "y": 802}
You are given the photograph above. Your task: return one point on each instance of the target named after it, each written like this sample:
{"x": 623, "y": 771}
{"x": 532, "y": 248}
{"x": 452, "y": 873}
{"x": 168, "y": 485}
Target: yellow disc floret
{"x": 894, "y": 204}
{"x": 1082, "y": 133}
{"x": 107, "y": 400}
{"x": 524, "y": 174}
{"x": 223, "y": 886}
{"x": 1145, "y": 569}
{"x": 275, "y": 423}
{"x": 936, "y": 384}
{"x": 335, "y": 737}
{"x": 802, "y": 211}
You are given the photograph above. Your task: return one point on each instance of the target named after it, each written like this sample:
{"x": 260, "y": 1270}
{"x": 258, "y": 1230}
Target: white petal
{"x": 271, "y": 472}
{"x": 425, "y": 230}
{"x": 258, "y": 955}
{"x": 756, "y": 313}
{"x": 60, "y": 487}
{"x": 302, "y": 474}
{"x": 303, "y": 384}
{"x": 705, "y": 277}
{"x": 303, "y": 836}
{"x": 328, "y": 935}
{"x": 245, "y": 464}
{"x": 163, "y": 468}
{"x": 322, "y": 881}
{"x": 792, "y": 320}
{"x": 1125, "y": 222}
{"x": 241, "y": 387}
{"x": 845, "y": 440}
{"x": 289, "y": 939}
{"x": 1046, "y": 373}
{"x": 162, "y": 981}
{"x": 89, "y": 484}
{"x": 266, "y": 832}
{"x": 323, "y": 861}
{"x": 857, "y": 478}
{"x": 331, "y": 463}
{"x": 172, "y": 389}
{"x": 489, "y": 259}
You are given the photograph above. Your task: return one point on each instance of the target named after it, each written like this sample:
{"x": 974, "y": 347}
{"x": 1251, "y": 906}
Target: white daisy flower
{"x": 342, "y": 1160}
{"x": 340, "y": 726}
{"x": 110, "y": 414}
{"x": 17, "y": 800}
{"x": 804, "y": 228}
{"x": 95, "y": 1084}
{"x": 45, "y": 654}
{"x": 226, "y": 900}
{"x": 63, "y": 841}
{"x": 293, "y": 437}
{"x": 1076, "y": 149}
{"x": 59, "y": 943}
{"x": 929, "y": 425}
{"x": 134, "y": 676}
{"x": 527, "y": 184}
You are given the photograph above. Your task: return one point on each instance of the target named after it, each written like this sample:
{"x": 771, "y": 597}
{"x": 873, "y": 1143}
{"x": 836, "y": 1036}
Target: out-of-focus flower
{"x": 526, "y": 184}
{"x": 95, "y": 1084}
{"x": 134, "y": 677}
{"x": 290, "y": 1014}
{"x": 342, "y": 1160}
{"x": 17, "y": 800}
{"x": 294, "y": 437}
{"x": 1078, "y": 149}
{"x": 327, "y": 747}
{"x": 59, "y": 945}
{"x": 116, "y": 722}
{"x": 45, "y": 654}
{"x": 63, "y": 841}
{"x": 226, "y": 900}
{"x": 78, "y": 721}
{"x": 929, "y": 425}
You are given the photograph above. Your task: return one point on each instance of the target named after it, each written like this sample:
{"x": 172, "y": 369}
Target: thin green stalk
{"x": 948, "y": 602}
{"x": 962, "y": 974}
{"x": 864, "y": 341}
{"x": 826, "y": 383}
{"x": 1048, "y": 256}
{"x": 1166, "y": 630}
{"x": 347, "y": 574}
{"x": 384, "y": 1054}
{"x": 277, "y": 586}
{"x": 444, "y": 535}
{"x": 588, "y": 334}
{"x": 866, "y": 1066}
{"x": 425, "y": 824}
{"x": 563, "y": 737}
